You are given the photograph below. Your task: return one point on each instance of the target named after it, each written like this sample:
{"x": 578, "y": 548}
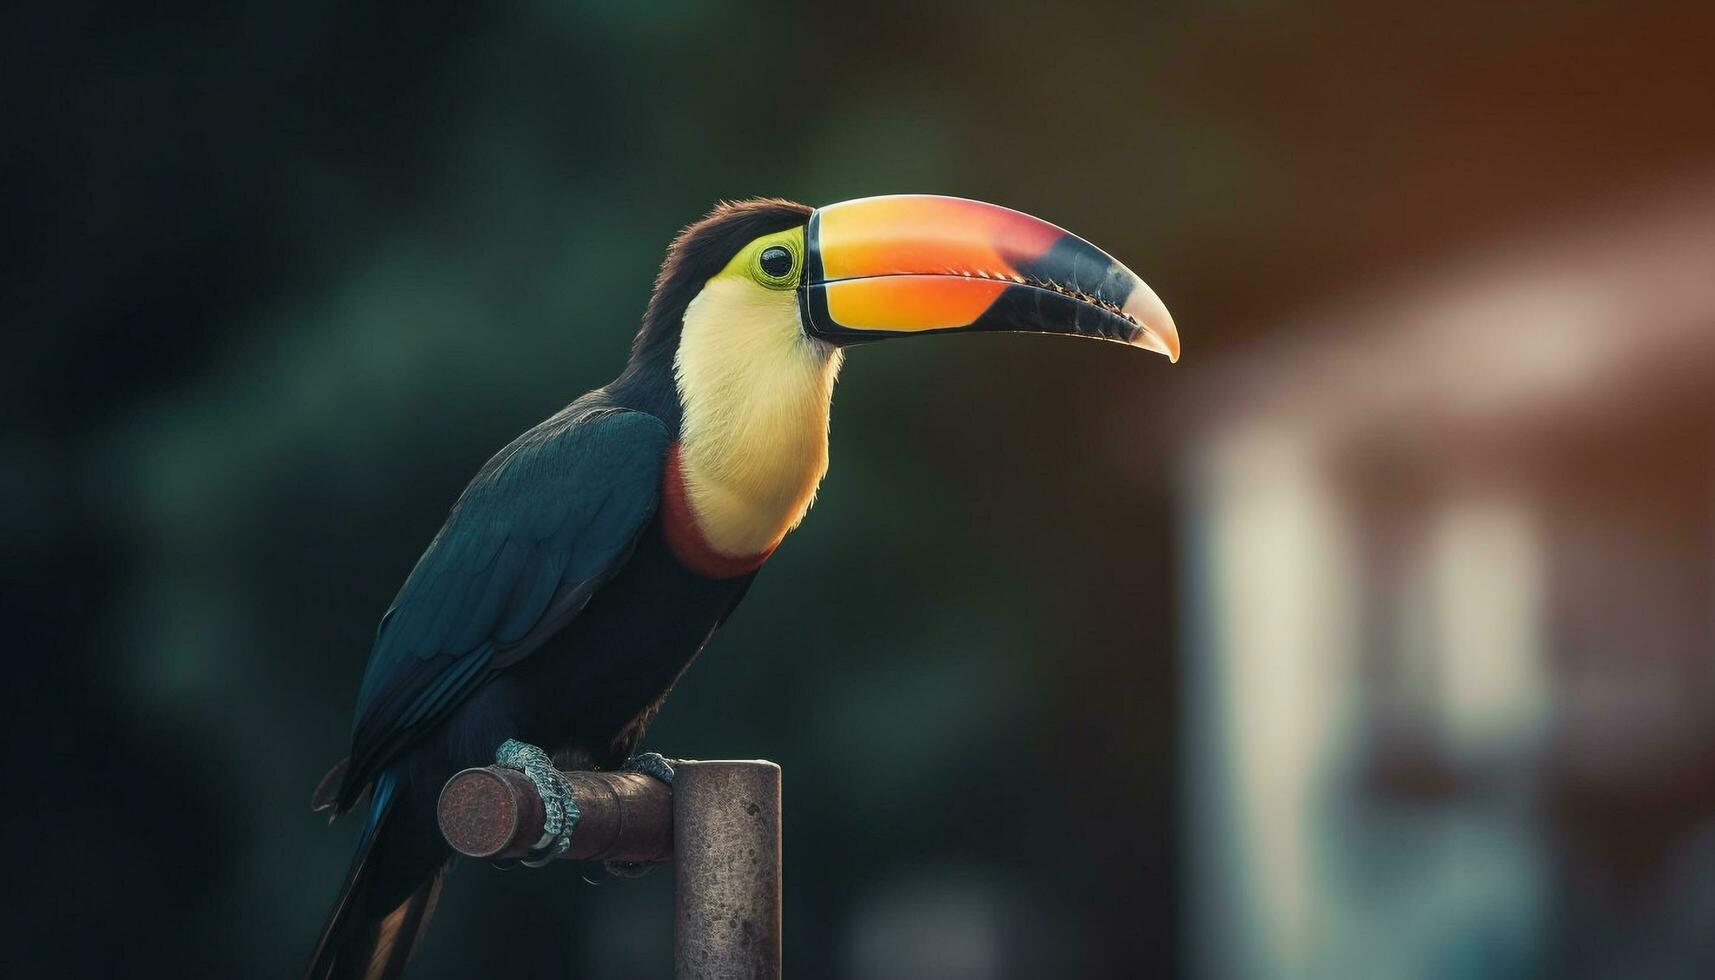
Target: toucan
{"x": 589, "y": 561}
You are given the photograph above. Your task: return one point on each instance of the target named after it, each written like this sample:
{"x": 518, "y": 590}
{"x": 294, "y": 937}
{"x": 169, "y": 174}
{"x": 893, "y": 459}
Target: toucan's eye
{"x": 775, "y": 262}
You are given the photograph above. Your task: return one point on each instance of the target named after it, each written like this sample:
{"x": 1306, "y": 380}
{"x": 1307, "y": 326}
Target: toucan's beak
{"x": 918, "y": 263}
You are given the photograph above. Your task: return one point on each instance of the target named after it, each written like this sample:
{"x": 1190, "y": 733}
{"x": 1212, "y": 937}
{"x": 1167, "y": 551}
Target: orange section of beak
{"x": 908, "y": 304}
{"x": 921, "y": 234}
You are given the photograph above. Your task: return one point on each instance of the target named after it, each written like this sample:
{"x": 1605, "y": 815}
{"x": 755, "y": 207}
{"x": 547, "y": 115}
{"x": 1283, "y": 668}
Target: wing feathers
{"x": 542, "y": 525}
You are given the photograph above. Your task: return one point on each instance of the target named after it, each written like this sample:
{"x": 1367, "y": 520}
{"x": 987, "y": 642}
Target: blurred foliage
{"x": 300, "y": 270}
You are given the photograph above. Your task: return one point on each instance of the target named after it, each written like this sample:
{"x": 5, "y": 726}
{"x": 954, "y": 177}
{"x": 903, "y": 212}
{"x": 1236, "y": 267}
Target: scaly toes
{"x": 560, "y": 808}
{"x": 650, "y": 764}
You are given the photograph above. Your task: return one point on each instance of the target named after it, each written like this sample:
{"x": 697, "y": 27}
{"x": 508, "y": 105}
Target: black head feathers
{"x": 697, "y": 254}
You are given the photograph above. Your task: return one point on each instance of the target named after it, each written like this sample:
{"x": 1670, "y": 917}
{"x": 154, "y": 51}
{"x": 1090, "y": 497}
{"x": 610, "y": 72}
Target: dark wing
{"x": 541, "y": 527}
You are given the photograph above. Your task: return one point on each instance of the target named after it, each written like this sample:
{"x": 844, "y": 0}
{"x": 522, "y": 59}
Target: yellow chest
{"x": 756, "y": 395}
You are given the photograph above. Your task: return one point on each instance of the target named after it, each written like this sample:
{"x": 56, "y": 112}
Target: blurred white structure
{"x": 1450, "y": 662}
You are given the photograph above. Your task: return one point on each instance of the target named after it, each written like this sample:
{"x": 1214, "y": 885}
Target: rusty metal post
{"x": 726, "y": 847}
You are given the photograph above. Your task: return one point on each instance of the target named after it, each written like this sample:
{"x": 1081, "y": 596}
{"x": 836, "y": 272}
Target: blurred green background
{"x": 284, "y": 275}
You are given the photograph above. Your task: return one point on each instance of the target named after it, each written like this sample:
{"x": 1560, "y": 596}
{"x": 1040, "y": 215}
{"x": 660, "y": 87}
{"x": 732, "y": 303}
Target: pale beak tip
{"x": 1158, "y": 333}
{"x": 1165, "y": 343}
{"x": 1169, "y": 338}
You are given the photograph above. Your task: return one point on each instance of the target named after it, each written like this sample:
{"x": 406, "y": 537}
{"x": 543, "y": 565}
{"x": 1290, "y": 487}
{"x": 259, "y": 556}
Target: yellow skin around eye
{"x": 748, "y": 262}
{"x": 756, "y": 395}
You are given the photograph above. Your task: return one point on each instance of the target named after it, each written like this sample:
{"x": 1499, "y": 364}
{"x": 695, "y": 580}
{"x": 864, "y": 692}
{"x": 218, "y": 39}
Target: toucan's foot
{"x": 649, "y": 764}
{"x": 560, "y": 809}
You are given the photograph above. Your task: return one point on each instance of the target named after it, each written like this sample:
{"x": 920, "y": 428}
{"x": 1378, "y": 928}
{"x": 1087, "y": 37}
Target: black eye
{"x": 775, "y": 261}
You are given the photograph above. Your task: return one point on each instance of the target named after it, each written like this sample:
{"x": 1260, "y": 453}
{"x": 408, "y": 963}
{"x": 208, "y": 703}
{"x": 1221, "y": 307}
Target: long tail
{"x": 372, "y": 931}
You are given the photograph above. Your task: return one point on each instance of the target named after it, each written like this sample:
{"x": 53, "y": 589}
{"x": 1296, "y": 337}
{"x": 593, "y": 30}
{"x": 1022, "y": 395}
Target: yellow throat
{"x": 756, "y": 394}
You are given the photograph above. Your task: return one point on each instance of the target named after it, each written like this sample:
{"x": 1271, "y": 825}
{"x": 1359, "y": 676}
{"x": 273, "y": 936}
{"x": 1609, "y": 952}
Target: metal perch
{"x": 719, "y": 823}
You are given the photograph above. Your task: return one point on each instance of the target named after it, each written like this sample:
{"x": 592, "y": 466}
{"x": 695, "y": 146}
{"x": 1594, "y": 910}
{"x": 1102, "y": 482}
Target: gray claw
{"x": 627, "y": 869}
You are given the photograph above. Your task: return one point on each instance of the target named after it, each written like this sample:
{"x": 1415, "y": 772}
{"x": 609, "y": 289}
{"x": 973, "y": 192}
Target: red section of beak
{"x": 921, "y": 234}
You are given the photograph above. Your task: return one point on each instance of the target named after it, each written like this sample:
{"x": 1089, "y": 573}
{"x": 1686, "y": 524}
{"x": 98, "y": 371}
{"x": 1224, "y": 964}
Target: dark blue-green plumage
{"x": 544, "y": 523}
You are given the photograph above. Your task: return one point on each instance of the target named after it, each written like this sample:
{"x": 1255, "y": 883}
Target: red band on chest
{"x": 685, "y": 538}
